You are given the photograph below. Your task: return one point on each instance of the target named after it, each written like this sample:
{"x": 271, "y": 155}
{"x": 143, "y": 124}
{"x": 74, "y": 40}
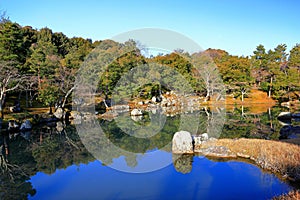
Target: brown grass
{"x": 292, "y": 195}
{"x": 278, "y": 157}
{"x": 254, "y": 97}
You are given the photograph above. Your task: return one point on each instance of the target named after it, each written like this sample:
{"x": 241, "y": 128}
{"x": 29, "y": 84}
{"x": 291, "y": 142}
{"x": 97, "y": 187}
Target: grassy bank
{"x": 278, "y": 157}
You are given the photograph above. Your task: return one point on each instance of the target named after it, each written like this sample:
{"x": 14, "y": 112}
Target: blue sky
{"x": 236, "y": 26}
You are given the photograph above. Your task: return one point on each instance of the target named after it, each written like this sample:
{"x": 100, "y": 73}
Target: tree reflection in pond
{"x": 48, "y": 148}
{"x": 31, "y": 154}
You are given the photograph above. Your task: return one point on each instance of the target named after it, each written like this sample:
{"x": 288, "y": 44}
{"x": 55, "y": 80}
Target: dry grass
{"x": 292, "y": 195}
{"x": 254, "y": 96}
{"x": 278, "y": 157}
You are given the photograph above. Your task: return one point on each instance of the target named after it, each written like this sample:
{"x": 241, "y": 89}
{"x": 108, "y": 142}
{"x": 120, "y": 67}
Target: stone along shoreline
{"x": 278, "y": 157}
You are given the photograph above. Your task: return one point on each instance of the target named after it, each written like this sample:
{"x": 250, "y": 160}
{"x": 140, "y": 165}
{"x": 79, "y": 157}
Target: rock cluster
{"x": 183, "y": 142}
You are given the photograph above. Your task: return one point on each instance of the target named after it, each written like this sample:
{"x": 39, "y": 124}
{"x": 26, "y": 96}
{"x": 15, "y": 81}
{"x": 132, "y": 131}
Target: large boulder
{"x": 182, "y": 142}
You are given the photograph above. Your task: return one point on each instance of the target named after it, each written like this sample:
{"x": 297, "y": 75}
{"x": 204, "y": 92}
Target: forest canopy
{"x": 43, "y": 64}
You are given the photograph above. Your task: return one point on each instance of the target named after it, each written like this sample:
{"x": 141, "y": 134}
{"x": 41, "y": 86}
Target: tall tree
{"x": 236, "y": 74}
{"x": 259, "y": 63}
{"x": 294, "y": 69}
{"x": 11, "y": 42}
{"x": 276, "y": 59}
{"x": 44, "y": 58}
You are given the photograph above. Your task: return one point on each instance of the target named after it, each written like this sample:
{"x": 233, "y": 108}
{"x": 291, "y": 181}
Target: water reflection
{"x": 55, "y": 148}
{"x": 183, "y": 163}
{"x": 207, "y": 180}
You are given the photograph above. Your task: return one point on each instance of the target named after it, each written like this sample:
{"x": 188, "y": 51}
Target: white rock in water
{"x": 182, "y": 142}
{"x": 198, "y": 140}
{"x": 204, "y": 136}
{"x": 153, "y": 99}
{"x": 136, "y": 112}
{"x": 284, "y": 115}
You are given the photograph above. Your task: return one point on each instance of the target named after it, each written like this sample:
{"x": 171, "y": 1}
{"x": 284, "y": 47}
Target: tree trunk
{"x": 39, "y": 78}
{"x": 26, "y": 98}
{"x": 31, "y": 98}
{"x": 243, "y": 91}
{"x": 206, "y": 112}
{"x": 243, "y": 112}
{"x": 270, "y": 118}
{"x": 20, "y": 96}
{"x": 207, "y": 97}
{"x": 2, "y": 100}
{"x": 105, "y": 103}
{"x": 50, "y": 109}
{"x": 270, "y": 87}
{"x": 66, "y": 96}
{"x": 1, "y": 111}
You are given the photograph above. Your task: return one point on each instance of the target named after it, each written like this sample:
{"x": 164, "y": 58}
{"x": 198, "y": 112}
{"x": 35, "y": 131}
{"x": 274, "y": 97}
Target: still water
{"x": 206, "y": 180}
{"x": 54, "y": 161}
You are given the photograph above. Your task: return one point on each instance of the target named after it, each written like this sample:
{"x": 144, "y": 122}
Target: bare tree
{"x": 208, "y": 74}
{"x": 10, "y": 80}
{"x": 65, "y": 79}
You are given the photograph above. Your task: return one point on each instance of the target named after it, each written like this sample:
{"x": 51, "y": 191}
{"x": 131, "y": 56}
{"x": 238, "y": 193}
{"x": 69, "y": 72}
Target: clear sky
{"x": 236, "y": 26}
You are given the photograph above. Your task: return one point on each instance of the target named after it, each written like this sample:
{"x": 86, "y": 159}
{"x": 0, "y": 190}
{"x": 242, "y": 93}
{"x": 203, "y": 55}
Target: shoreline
{"x": 275, "y": 156}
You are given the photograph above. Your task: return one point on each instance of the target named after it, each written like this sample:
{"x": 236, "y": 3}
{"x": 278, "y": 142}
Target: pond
{"x": 58, "y": 161}
{"x": 206, "y": 180}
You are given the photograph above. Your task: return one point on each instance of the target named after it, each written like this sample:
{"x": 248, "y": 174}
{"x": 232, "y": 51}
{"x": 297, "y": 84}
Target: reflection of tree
{"x": 215, "y": 122}
{"x": 242, "y": 123}
{"x": 57, "y": 150}
{"x": 14, "y": 173}
{"x": 16, "y": 186}
{"x": 182, "y": 163}
{"x": 130, "y": 143}
{"x": 60, "y": 151}
{"x": 148, "y": 125}
{"x": 113, "y": 142}
{"x": 211, "y": 121}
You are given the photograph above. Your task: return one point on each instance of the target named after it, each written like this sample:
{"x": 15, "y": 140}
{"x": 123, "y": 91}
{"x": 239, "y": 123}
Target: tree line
{"x": 42, "y": 65}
